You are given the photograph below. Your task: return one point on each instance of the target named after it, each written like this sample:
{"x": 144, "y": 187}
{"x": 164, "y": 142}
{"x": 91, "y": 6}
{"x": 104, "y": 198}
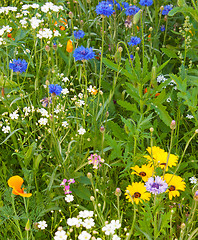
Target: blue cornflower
{"x": 104, "y": 8}
{"x": 55, "y": 89}
{"x": 118, "y": 5}
{"x": 18, "y": 65}
{"x": 162, "y": 28}
{"x": 131, "y": 10}
{"x": 167, "y": 9}
{"x": 125, "y": 4}
{"x": 131, "y": 56}
{"x": 156, "y": 186}
{"x": 79, "y": 34}
{"x": 82, "y": 53}
{"x": 146, "y": 2}
{"x": 134, "y": 41}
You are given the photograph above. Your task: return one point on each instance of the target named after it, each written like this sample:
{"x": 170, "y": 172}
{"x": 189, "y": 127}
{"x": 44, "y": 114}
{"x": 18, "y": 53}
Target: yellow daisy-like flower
{"x": 175, "y": 183}
{"x": 137, "y": 192}
{"x": 160, "y": 157}
{"x": 146, "y": 171}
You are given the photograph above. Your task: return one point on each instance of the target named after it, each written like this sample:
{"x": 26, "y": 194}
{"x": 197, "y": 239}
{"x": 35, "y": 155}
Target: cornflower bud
{"x": 71, "y": 14}
{"x": 173, "y": 125}
{"x": 151, "y": 129}
{"x": 118, "y": 192}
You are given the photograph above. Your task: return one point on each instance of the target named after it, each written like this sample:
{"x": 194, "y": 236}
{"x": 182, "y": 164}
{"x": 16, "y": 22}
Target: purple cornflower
{"x": 18, "y": 65}
{"x": 82, "y": 53}
{"x": 104, "y": 8}
{"x": 55, "y": 89}
{"x": 79, "y": 34}
{"x": 134, "y": 41}
{"x": 167, "y": 9}
{"x": 131, "y": 10}
{"x": 95, "y": 159}
{"x": 156, "y": 186}
{"x": 162, "y": 28}
{"x": 146, "y": 2}
{"x": 66, "y": 189}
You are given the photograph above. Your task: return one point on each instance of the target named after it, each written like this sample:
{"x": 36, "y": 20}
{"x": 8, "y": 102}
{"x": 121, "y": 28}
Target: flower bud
{"x": 92, "y": 198}
{"x": 47, "y": 48}
{"x": 196, "y": 131}
{"x": 120, "y": 49}
{"x": 136, "y": 17}
{"x": 173, "y": 125}
{"x": 162, "y": 8}
{"x": 183, "y": 225}
{"x": 118, "y": 192}
{"x": 137, "y": 49}
{"x": 150, "y": 29}
{"x": 102, "y": 129}
{"x": 151, "y": 129}
{"x": 107, "y": 114}
{"x": 27, "y": 226}
{"x": 89, "y": 175}
{"x": 54, "y": 46}
{"x": 71, "y": 14}
{"x": 196, "y": 196}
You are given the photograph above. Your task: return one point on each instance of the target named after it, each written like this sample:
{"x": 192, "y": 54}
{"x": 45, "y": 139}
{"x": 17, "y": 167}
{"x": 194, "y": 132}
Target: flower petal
{"x": 15, "y": 182}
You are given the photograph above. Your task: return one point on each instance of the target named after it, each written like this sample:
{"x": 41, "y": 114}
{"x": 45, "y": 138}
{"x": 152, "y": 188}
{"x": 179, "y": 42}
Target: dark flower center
{"x": 172, "y": 188}
{"x": 156, "y": 185}
{"x": 163, "y": 164}
{"x": 143, "y": 174}
{"x": 137, "y": 195}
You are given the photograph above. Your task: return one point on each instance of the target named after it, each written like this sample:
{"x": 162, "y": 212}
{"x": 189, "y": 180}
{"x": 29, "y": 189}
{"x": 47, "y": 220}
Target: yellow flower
{"x": 137, "y": 192}
{"x": 146, "y": 171}
{"x": 175, "y": 183}
{"x": 69, "y": 47}
{"x": 160, "y": 157}
{"x": 16, "y": 182}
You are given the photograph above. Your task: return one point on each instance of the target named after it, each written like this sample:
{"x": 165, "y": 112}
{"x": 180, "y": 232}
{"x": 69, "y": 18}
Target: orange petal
{"x": 15, "y": 182}
{"x": 69, "y": 47}
{"x": 21, "y": 192}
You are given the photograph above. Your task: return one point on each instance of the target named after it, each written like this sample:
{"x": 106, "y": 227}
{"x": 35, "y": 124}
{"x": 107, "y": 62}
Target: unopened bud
{"x": 102, "y": 129}
{"x": 196, "y": 196}
{"x": 162, "y": 8}
{"x": 27, "y": 226}
{"x": 47, "y": 48}
{"x": 107, "y": 113}
{"x": 92, "y": 198}
{"x": 137, "y": 49}
{"x": 196, "y": 131}
{"x": 151, "y": 129}
{"x": 183, "y": 225}
{"x": 118, "y": 192}
{"x": 173, "y": 125}
{"x": 89, "y": 175}
{"x": 47, "y": 82}
{"x": 71, "y": 14}
{"x": 54, "y": 46}
{"x": 120, "y": 49}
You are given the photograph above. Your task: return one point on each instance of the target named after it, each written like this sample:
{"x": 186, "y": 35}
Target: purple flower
{"x": 134, "y": 41}
{"x": 63, "y": 182}
{"x": 146, "y": 2}
{"x": 45, "y": 101}
{"x": 55, "y": 89}
{"x": 162, "y": 28}
{"x": 66, "y": 189}
{"x": 79, "y": 34}
{"x": 95, "y": 159}
{"x": 71, "y": 181}
{"x": 131, "y": 10}
{"x": 18, "y": 65}
{"x": 82, "y": 53}
{"x": 104, "y": 8}
{"x": 156, "y": 186}
{"x": 167, "y": 9}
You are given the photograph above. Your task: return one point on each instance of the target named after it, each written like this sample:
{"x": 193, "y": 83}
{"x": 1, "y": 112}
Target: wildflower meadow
{"x": 99, "y": 120}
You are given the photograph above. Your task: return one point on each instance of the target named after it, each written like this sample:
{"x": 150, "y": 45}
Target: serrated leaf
{"x": 169, "y": 53}
{"x": 128, "y": 106}
{"x": 162, "y": 113}
{"x": 117, "y": 131}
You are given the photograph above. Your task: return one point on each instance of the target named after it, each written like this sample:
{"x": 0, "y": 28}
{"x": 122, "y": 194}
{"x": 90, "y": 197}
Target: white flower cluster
{"x": 45, "y": 33}
{"x": 26, "y": 6}
{"x": 50, "y": 6}
{"x": 111, "y": 227}
{"x": 60, "y": 234}
{"x": 5, "y": 10}
{"x": 34, "y": 21}
{"x": 4, "y": 29}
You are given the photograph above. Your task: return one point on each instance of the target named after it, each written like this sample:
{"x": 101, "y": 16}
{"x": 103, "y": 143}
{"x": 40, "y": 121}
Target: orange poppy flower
{"x": 138, "y": 28}
{"x": 149, "y": 37}
{"x": 94, "y": 91}
{"x": 69, "y": 47}
{"x": 64, "y": 21}
{"x": 16, "y": 182}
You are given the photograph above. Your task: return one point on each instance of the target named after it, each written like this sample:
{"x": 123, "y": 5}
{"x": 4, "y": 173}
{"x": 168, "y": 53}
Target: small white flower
{"x": 42, "y": 225}
{"x": 65, "y": 124}
{"x": 88, "y": 223}
{"x": 14, "y": 115}
{"x": 161, "y": 78}
{"x": 189, "y": 116}
{"x": 6, "y": 129}
{"x": 116, "y": 224}
{"x": 69, "y": 198}
{"x": 65, "y": 79}
{"x": 72, "y": 221}
{"x": 56, "y": 33}
{"x": 193, "y": 180}
{"x": 43, "y": 121}
{"x": 84, "y": 236}
{"x": 81, "y": 131}
{"x": 60, "y": 235}
{"x": 168, "y": 99}
{"x": 108, "y": 229}
{"x": 86, "y": 214}
{"x": 80, "y": 95}
{"x": 65, "y": 91}
{"x": 115, "y": 237}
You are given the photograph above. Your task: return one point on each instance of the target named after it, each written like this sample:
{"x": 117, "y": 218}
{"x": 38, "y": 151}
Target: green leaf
{"x": 169, "y": 53}
{"x": 30, "y": 152}
{"x": 82, "y": 192}
{"x": 162, "y": 113}
{"x": 184, "y": 10}
{"x": 36, "y": 162}
{"x": 10, "y": 135}
{"x": 117, "y": 131}
{"x": 128, "y": 106}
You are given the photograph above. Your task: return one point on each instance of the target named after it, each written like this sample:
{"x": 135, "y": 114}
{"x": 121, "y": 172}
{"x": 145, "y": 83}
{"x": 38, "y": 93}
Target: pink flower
{"x": 66, "y": 189}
